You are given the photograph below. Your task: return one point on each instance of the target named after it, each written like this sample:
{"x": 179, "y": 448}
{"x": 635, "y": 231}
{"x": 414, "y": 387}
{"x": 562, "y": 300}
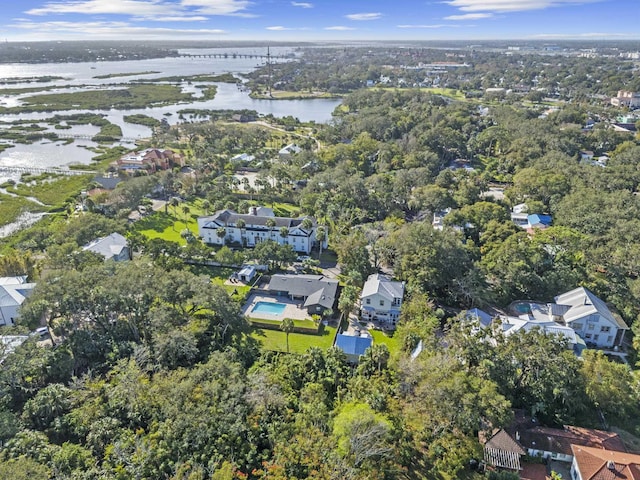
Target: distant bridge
{"x": 90, "y": 137}
{"x": 235, "y": 55}
{"x": 35, "y": 170}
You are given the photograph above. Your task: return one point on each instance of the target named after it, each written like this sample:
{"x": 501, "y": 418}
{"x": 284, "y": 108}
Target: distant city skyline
{"x": 281, "y": 20}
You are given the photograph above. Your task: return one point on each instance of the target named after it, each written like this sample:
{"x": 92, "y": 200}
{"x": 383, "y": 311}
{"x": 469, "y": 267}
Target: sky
{"x": 319, "y": 20}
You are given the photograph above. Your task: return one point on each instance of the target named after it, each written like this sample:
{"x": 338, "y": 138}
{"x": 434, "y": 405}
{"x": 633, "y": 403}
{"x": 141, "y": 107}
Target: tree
{"x": 221, "y": 233}
{"x": 321, "y": 234}
{"x": 287, "y": 326}
{"x": 347, "y": 301}
{"x": 609, "y": 385}
{"x": 284, "y": 233}
{"x": 353, "y": 256}
{"x": 362, "y": 435}
{"x": 374, "y": 360}
{"x": 270, "y": 223}
{"x": 241, "y": 224}
{"x": 307, "y": 223}
{"x": 186, "y": 210}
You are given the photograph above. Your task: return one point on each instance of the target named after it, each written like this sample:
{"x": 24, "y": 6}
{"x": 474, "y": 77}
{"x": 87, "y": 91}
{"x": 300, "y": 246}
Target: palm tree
{"x": 284, "y": 233}
{"x": 271, "y": 222}
{"x": 287, "y": 327}
{"x": 185, "y": 211}
{"x": 206, "y": 206}
{"x": 241, "y": 224}
{"x": 174, "y": 203}
{"x": 221, "y": 233}
{"x": 307, "y": 224}
{"x": 321, "y": 234}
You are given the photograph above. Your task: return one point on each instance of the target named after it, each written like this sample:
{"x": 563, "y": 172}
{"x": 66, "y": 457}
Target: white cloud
{"x": 339, "y": 28}
{"x": 218, "y": 7}
{"x": 280, "y": 28}
{"x": 469, "y": 16}
{"x": 172, "y": 19}
{"x": 443, "y": 25}
{"x": 147, "y": 9}
{"x": 364, "y": 16}
{"x": 92, "y": 7}
{"x": 511, "y": 5}
{"x": 302, "y": 4}
{"x": 108, "y": 30}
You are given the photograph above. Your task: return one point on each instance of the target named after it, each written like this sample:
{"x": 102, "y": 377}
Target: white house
{"x": 589, "y": 317}
{"x": 537, "y": 319}
{"x": 112, "y": 247}
{"x": 13, "y": 292}
{"x": 289, "y": 150}
{"x": 257, "y": 229}
{"x": 381, "y": 300}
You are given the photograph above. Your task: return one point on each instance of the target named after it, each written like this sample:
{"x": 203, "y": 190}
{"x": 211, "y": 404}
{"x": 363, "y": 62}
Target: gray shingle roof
{"x": 384, "y": 286}
{"x": 230, "y": 218}
{"x": 109, "y": 246}
{"x": 582, "y": 303}
{"x": 317, "y": 290}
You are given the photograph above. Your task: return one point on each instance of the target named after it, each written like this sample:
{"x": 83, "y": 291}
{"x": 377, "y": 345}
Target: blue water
{"x": 272, "y": 308}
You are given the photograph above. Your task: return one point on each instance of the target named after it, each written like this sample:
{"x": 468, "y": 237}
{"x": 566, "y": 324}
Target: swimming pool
{"x": 272, "y": 308}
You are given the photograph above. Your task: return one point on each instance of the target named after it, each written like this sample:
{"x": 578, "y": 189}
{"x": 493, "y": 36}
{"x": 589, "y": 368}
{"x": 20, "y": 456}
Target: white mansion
{"x": 259, "y": 225}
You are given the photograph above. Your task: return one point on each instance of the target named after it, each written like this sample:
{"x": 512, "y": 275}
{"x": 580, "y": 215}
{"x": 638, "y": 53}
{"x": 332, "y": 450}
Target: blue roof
{"x": 352, "y": 345}
{"x": 537, "y": 218}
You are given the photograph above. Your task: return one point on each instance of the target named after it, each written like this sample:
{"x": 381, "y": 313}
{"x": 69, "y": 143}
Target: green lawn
{"x": 308, "y": 324}
{"x": 219, "y": 275}
{"x": 169, "y": 225}
{"x": 298, "y": 342}
{"x": 392, "y": 342}
{"x": 446, "y": 92}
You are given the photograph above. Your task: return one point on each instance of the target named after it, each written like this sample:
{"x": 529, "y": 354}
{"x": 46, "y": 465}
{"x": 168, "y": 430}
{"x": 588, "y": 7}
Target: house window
{"x": 368, "y": 301}
{"x": 577, "y": 326}
{"x": 588, "y": 336}
{"x": 595, "y": 337}
{"x": 382, "y": 303}
{"x": 605, "y": 329}
{"x": 610, "y": 339}
{"x": 590, "y": 326}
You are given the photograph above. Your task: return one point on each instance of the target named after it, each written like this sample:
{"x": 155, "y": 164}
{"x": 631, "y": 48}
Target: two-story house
{"x": 589, "y": 317}
{"x": 13, "y": 292}
{"x": 381, "y": 300}
{"x": 259, "y": 225}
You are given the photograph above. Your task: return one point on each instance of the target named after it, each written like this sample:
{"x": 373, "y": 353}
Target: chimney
{"x": 611, "y": 465}
{"x": 253, "y": 211}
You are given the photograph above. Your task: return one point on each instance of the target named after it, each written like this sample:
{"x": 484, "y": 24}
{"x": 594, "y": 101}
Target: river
{"x": 228, "y": 96}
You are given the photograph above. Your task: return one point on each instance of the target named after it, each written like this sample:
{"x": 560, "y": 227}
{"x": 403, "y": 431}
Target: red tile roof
{"x": 533, "y": 471}
{"x": 560, "y": 440}
{"x": 599, "y": 464}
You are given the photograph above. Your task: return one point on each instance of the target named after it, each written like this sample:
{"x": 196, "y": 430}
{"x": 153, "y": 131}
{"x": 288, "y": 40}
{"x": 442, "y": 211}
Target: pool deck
{"x": 292, "y": 310}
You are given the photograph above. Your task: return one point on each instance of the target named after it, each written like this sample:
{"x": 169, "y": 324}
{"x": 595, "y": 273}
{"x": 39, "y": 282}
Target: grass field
{"x": 392, "y": 342}
{"x": 446, "y": 92}
{"x": 298, "y": 342}
{"x": 168, "y": 226}
{"x": 307, "y": 324}
{"x": 219, "y": 275}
